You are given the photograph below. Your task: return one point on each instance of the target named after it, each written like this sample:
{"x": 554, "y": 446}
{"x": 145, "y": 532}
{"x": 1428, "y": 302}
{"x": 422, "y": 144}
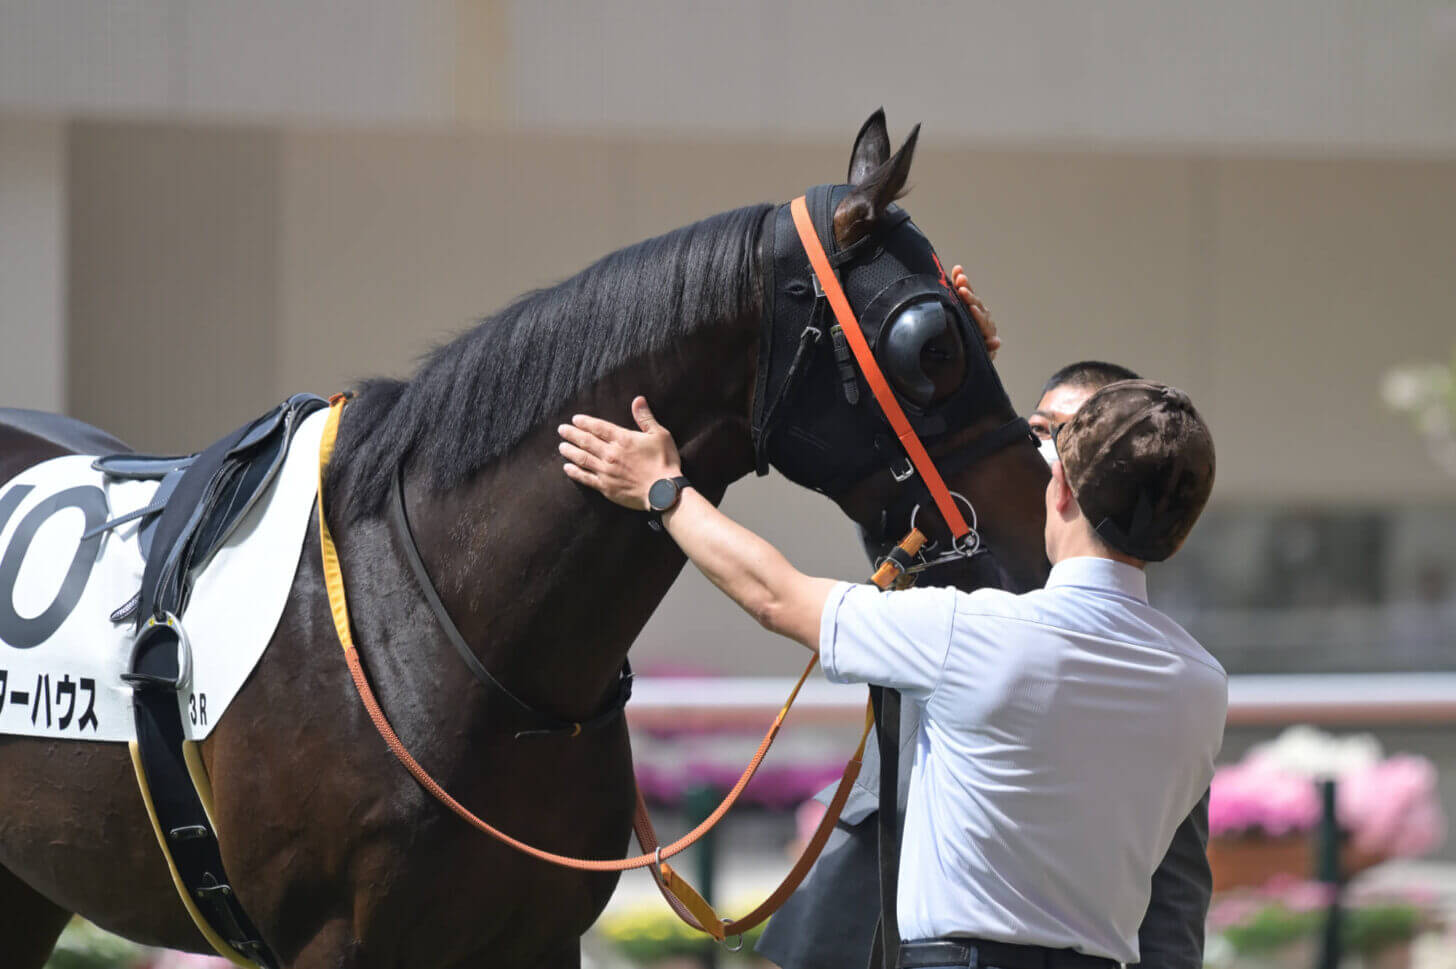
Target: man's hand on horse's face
{"x": 617, "y": 461}
{"x": 962, "y": 285}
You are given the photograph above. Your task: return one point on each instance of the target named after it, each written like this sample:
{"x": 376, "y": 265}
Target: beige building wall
{"x": 253, "y": 263}
{"x": 173, "y": 284}
{"x": 1305, "y": 76}
{"x": 32, "y": 263}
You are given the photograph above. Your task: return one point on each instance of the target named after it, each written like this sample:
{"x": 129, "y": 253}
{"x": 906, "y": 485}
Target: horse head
{"x": 815, "y": 420}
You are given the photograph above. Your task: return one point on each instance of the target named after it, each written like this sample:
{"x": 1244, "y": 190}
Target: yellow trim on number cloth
{"x": 213, "y": 939}
{"x": 333, "y": 575}
{"x": 201, "y": 783}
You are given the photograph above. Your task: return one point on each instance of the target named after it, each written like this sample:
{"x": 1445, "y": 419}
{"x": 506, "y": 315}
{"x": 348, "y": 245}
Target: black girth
{"x": 536, "y": 723}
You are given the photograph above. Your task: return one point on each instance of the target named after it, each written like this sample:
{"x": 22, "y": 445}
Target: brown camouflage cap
{"x": 1139, "y": 460}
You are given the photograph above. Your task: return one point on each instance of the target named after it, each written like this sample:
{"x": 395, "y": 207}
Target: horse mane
{"x": 474, "y": 398}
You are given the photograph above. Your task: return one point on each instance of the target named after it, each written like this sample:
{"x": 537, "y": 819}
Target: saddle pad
{"x": 61, "y": 656}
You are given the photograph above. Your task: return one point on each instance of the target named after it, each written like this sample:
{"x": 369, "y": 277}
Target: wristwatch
{"x": 664, "y": 496}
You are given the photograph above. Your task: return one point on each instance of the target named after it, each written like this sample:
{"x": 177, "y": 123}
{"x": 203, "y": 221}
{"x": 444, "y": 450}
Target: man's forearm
{"x": 748, "y": 569}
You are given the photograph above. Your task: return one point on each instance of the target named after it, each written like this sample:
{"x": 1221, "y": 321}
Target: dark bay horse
{"x": 340, "y": 858}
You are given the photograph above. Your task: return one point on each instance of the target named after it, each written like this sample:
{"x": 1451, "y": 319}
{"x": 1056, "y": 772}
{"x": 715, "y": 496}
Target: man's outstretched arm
{"x": 622, "y": 464}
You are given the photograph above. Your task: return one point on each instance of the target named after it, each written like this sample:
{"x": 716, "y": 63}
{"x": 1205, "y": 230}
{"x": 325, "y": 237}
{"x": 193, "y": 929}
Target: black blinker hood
{"x": 815, "y": 419}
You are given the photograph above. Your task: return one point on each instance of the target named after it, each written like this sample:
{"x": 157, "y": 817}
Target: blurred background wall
{"x": 205, "y": 206}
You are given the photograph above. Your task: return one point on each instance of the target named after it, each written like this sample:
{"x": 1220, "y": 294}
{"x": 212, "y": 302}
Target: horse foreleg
{"x": 30, "y": 923}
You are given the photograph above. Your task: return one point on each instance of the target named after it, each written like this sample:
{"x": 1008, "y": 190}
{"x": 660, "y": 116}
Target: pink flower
{"x": 1391, "y": 809}
{"x": 807, "y": 818}
{"x": 1233, "y": 909}
{"x": 1300, "y": 896}
{"x": 1246, "y": 797}
{"x": 187, "y": 960}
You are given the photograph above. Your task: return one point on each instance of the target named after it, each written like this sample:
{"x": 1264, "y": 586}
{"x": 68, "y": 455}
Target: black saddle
{"x": 199, "y": 502}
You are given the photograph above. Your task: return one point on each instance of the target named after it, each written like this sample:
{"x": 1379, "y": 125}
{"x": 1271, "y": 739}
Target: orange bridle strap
{"x": 687, "y": 902}
{"x": 868, "y": 366}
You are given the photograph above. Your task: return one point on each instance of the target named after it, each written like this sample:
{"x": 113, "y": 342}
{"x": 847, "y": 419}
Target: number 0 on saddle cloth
{"x": 61, "y": 654}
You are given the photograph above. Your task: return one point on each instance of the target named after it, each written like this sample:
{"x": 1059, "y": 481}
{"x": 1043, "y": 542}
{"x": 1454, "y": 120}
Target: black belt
{"x": 981, "y": 954}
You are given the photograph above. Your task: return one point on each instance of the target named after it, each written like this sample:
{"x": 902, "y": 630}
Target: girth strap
{"x": 177, "y": 796}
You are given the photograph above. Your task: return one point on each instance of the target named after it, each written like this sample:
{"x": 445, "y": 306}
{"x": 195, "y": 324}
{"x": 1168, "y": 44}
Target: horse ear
{"x": 871, "y": 147}
{"x": 867, "y": 200}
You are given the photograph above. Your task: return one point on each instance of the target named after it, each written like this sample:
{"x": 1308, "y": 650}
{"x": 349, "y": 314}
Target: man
{"x": 829, "y": 922}
{"x": 1066, "y": 732}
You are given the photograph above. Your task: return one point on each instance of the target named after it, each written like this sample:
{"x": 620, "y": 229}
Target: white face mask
{"x": 1048, "y": 449}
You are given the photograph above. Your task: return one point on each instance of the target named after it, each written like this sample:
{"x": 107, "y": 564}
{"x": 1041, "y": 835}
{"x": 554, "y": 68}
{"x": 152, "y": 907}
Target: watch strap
{"x": 654, "y": 520}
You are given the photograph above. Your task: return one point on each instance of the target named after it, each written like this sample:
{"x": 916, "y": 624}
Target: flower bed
{"x": 1264, "y": 810}
{"x": 1283, "y": 925}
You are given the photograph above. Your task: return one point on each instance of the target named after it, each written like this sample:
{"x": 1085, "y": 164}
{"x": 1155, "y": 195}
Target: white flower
{"x": 1406, "y": 388}
{"x": 1219, "y": 952}
{"x": 1433, "y": 950}
{"x": 1427, "y": 394}
{"x": 1308, "y": 752}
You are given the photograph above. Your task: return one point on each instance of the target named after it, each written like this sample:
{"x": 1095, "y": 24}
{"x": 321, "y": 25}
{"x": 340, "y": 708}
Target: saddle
{"x": 199, "y": 502}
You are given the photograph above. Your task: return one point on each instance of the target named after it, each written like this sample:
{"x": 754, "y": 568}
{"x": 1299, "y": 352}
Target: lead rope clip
{"x": 737, "y": 945}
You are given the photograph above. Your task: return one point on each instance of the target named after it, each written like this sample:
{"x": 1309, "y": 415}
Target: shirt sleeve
{"x": 894, "y": 639}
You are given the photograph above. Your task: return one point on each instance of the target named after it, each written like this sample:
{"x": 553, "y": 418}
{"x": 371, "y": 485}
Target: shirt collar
{"x": 1105, "y": 575}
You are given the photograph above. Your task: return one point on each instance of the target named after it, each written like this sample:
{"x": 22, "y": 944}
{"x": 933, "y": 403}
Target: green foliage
{"x": 84, "y": 946}
{"x": 650, "y": 935}
{"x": 1364, "y": 930}
{"x": 1271, "y": 928}
{"x": 1376, "y": 927}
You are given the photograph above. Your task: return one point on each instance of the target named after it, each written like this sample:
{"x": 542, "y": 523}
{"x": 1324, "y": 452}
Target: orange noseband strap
{"x": 870, "y": 368}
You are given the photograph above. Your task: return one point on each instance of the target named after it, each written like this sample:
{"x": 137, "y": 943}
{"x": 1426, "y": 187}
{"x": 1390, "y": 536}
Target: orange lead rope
{"x": 687, "y": 902}
{"x": 865, "y": 357}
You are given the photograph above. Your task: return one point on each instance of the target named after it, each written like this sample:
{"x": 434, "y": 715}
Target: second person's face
{"x": 1057, "y": 407}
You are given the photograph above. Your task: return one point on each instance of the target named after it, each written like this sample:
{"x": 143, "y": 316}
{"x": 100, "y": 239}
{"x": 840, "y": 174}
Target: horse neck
{"x": 549, "y": 582}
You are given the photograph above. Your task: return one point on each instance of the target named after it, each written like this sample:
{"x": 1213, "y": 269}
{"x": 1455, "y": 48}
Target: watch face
{"x": 662, "y": 495}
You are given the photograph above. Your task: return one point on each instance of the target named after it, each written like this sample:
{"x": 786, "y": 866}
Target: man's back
{"x": 1067, "y": 733}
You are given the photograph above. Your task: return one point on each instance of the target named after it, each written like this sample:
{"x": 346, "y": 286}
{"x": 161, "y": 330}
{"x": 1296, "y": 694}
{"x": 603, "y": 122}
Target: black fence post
{"x": 1327, "y": 870}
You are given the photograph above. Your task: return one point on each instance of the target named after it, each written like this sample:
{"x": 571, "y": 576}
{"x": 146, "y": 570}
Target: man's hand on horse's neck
{"x": 622, "y": 464}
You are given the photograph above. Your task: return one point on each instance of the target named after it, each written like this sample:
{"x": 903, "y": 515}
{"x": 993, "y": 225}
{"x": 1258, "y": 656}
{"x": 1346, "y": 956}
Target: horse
{"x": 338, "y": 856}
